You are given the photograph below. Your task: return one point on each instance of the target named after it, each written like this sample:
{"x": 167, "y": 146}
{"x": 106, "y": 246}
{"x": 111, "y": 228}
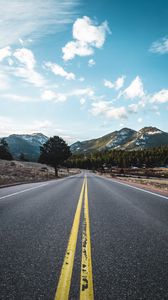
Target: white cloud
{"x": 72, "y": 49}
{"x": 21, "y": 42}
{"x": 143, "y": 102}
{"x": 22, "y": 19}
{"x": 4, "y": 81}
{"x": 25, "y": 42}
{"x": 10, "y": 126}
{"x": 117, "y": 85}
{"x": 58, "y": 70}
{"x": 26, "y": 57}
{"x": 119, "y": 82}
{"x": 82, "y": 92}
{"x": 49, "y": 95}
{"x": 99, "y": 108}
{"x": 133, "y": 108}
{"x": 140, "y": 120}
{"x": 27, "y": 69}
{"x": 30, "y": 76}
{"x": 52, "y": 96}
{"x": 160, "y": 97}
{"x": 37, "y": 126}
{"x": 86, "y": 31}
{"x": 108, "y": 84}
{"x": 87, "y": 36}
{"x": 18, "y": 98}
{"x": 160, "y": 46}
{"x": 117, "y": 112}
{"x": 5, "y": 52}
{"x": 82, "y": 101}
{"x": 91, "y": 62}
{"x": 10, "y": 62}
{"x": 134, "y": 90}
{"x": 106, "y": 109}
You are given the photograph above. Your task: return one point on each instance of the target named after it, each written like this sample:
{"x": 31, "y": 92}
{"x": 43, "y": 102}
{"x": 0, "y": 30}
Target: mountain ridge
{"x": 27, "y": 144}
{"x": 124, "y": 139}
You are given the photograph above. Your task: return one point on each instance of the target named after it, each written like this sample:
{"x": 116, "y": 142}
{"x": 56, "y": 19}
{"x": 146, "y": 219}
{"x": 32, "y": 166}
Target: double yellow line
{"x": 86, "y": 282}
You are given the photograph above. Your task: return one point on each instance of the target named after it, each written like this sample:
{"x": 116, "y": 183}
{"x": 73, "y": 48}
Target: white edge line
{"x": 134, "y": 187}
{"x": 33, "y": 188}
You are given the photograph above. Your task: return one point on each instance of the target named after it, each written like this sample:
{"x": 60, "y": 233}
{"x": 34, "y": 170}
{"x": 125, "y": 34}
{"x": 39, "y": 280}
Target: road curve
{"x": 117, "y": 234}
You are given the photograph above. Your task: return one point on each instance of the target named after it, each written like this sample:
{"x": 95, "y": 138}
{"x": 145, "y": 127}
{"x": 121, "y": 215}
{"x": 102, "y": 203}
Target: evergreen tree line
{"x": 154, "y": 157}
{"x": 56, "y": 152}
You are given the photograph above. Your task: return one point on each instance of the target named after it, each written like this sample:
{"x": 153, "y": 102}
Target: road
{"x": 83, "y": 237}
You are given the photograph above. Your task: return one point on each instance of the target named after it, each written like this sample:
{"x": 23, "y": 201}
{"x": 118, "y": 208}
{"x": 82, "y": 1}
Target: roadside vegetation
{"x": 4, "y": 150}
{"x": 53, "y": 154}
{"x": 12, "y": 172}
{"x": 147, "y": 158}
{"x": 148, "y": 167}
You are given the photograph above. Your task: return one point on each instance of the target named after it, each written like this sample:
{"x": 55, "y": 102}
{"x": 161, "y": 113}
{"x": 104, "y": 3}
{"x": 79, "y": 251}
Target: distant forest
{"x": 147, "y": 158}
{"x": 154, "y": 157}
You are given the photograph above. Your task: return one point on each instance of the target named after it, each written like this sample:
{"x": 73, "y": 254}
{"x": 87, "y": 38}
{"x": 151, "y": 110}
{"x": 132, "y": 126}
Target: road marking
{"x": 20, "y": 192}
{"x": 86, "y": 283}
{"x": 64, "y": 283}
{"x": 134, "y": 187}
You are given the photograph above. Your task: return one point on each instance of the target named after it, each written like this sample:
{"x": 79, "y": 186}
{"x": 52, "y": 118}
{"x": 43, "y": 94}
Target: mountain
{"x": 109, "y": 141}
{"x": 148, "y": 137}
{"x": 28, "y": 144}
{"x": 126, "y": 139}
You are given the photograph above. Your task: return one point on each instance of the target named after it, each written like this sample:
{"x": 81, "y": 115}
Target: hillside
{"x": 27, "y": 144}
{"x": 12, "y": 172}
{"x": 126, "y": 139}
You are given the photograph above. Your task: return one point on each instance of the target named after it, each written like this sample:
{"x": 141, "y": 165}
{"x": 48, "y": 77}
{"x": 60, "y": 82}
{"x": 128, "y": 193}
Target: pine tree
{"x": 54, "y": 152}
{"x": 22, "y": 157}
{"x": 4, "y": 150}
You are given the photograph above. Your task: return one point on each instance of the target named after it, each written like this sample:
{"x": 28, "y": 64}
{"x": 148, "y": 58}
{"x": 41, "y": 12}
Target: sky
{"x": 81, "y": 69}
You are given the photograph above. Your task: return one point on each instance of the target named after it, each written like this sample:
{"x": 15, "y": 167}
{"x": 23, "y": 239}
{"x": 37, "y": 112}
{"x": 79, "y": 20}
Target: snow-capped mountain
{"x": 109, "y": 141}
{"x": 125, "y": 138}
{"x": 35, "y": 138}
{"x": 27, "y": 144}
{"x": 148, "y": 137}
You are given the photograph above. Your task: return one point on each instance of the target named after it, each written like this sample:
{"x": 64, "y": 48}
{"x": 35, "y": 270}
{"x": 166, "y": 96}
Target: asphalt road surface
{"x": 83, "y": 237}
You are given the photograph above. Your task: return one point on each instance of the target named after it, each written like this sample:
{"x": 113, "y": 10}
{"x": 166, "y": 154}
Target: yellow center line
{"x": 86, "y": 284}
{"x": 64, "y": 283}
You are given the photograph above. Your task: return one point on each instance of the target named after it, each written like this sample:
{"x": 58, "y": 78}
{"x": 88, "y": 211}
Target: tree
{"x": 4, "y": 150}
{"x": 54, "y": 152}
{"x": 22, "y": 157}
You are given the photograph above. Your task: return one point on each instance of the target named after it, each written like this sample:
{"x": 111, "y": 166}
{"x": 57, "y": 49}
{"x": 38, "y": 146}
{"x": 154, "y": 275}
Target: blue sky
{"x": 82, "y": 69}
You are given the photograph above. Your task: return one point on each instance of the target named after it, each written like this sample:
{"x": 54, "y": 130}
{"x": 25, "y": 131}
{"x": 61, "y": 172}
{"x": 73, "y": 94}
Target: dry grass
{"x": 16, "y": 172}
{"x": 151, "y": 178}
{"x": 158, "y": 184}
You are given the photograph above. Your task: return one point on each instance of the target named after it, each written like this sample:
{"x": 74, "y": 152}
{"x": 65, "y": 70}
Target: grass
{"x": 15, "y": 172}
{"x": 151, "y": 178}
{"x": 158, "y": 184}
